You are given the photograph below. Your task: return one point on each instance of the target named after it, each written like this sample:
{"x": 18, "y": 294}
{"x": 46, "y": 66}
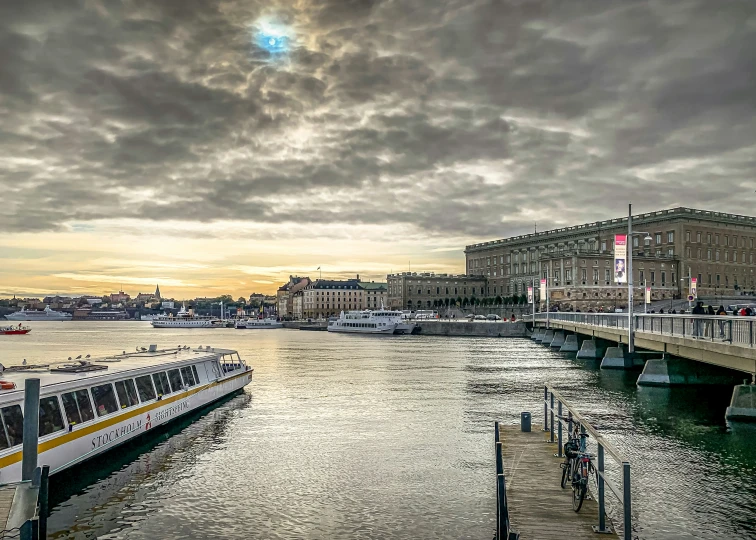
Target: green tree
{"x": 498, "y": 300}
{"x": 459, "y": 301}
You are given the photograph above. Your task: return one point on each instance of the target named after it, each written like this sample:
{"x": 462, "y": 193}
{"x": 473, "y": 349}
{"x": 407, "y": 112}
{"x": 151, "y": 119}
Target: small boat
{"x": 259, "y": 324}
{"x": 90, "y": 406}
{"x": 11, "y": 330}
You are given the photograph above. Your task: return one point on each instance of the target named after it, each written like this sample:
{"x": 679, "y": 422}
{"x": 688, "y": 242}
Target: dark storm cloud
{"x": 469, "y": 117}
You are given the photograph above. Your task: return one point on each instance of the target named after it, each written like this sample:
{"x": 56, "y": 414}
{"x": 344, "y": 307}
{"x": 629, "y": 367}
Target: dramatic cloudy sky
{"x": 218, "y": 146}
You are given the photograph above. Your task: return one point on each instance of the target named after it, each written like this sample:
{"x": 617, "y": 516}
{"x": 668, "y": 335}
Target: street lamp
{"x": 647, "y": 238}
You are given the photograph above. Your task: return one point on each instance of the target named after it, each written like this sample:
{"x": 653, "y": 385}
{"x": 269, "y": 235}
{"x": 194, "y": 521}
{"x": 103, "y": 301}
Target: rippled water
{"x": 342, "y": 437}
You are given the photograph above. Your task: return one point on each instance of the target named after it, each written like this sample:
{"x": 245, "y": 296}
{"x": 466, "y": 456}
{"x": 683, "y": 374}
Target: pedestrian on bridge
{"x": 721, "y": 311}
{"x": 698, "y": 311}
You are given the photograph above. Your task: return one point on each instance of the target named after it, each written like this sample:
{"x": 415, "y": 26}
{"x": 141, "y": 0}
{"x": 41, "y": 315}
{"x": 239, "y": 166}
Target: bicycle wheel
{"x": 579, "y": 490}
{"x": 566, "y": 466}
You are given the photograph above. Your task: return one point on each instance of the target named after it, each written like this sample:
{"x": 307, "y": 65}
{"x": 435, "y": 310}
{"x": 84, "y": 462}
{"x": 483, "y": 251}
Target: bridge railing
{"x": 504, "y": 529}
{"x": 555, "y": 420}
{"x": 733, "y": 330}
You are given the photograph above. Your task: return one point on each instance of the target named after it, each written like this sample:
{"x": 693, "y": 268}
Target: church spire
{"x": 157, "y": 292}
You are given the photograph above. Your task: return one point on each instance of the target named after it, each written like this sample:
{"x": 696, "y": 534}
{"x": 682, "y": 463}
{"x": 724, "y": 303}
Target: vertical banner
{"x": 694, "y": 287}
{"x": 530, "y": 295}
{"x": 620, "y": 258}
{"x": 648, "y": 295}
{"x": 543, "y": 290}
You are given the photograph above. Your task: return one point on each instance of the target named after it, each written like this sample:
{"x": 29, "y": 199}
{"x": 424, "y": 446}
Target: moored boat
{"x": 186, "y": 319}
{"x": 370, "y": 322}
{"x": 90, "y": 407}
{"x": 258, "y": 324}
{"x": 12, "y": 330}
{"x": 46, "y": 314}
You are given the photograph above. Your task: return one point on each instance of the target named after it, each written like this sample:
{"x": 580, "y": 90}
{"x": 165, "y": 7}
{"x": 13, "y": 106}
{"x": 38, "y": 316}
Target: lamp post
{"x": 630, "y": 234}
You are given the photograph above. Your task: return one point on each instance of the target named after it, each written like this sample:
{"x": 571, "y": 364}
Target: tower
{"x": 157, "y": 292}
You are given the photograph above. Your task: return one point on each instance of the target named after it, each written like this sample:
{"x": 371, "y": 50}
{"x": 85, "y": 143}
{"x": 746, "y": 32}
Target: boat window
{"x": 196, "y": 373}
{"x": 13, "y": 421}
{"x": 175, "y": 377}
{"x": 104, "y": 399}
{"x": 127, "y": 393}
{"x": 77, "y": 406}
{"x": 145, "y": 388}
{"x": 161, "y": 383}
{"x": 186, "y": 373}
{"x": 50, "y": 419}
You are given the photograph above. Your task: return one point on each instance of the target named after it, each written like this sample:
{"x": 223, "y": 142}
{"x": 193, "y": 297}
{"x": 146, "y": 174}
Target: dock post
{"x": 499, "y": 483}
{"x": 31, "y": 428}
{"x": 545, "y": 408}
{"x": 626, "y": 503}
{"x": 559, "y": 428}
{"x": 44, "y": 506}
{"x": 602, "y": 528}
{"x": 552, "y": 417}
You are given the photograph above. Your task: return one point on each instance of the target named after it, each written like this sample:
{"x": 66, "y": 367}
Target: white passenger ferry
{"x": 88, "y": 408}
{"x": 258, "y": 324}
{"x": 371, "y": 322}
{"x": 186, "y": 319}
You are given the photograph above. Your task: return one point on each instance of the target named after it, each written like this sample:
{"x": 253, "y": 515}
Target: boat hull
{"x": 93, "y": 439}
{"x": 183, "y": 324}
{"x": 19, "y": 316}
{"x": 15, "y": 332}
{"x": 388, "y": 331}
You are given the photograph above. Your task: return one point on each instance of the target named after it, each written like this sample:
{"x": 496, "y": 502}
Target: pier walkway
{"x": 538, "y": 507}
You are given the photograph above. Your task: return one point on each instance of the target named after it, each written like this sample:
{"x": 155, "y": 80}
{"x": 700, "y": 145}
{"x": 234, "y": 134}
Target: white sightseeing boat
{"x": 382, "y": 321}
{"x": 186, "y": 319}
{"x": 88, "y": 408}
{"x": 258, "y": 324}
{"x": 35, "y": 315}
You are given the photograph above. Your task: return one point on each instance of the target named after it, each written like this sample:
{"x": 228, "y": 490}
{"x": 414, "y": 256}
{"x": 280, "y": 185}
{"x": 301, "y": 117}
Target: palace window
{"x": 670, "y": 237}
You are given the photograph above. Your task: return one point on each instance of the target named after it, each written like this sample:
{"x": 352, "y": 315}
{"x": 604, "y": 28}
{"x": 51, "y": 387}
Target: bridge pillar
{"x": 571, "y": 344}
{"x": 617, "y": 358}
{"x": 547, "y": 338}
{"x": 679, "y": 372}
{"x": 537, "y": 334}
{"x": 743, "y": 405}
{"x": 590, "y": 350}
{"x": 558, "y": 340}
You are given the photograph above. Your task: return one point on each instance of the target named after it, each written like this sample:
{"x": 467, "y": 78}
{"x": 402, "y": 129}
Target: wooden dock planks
{"x": 539, "y": 509}
{"x": 6, "y": 498}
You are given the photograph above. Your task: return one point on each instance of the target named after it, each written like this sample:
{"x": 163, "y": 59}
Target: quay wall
{"x": 473, "y": 329}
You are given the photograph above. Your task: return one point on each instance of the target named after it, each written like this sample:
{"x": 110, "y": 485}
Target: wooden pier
{"x": 539, "y": 509}
{"x": 6, "y": 500}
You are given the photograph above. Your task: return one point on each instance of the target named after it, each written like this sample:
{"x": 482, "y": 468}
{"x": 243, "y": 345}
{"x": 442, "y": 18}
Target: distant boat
{"x": 186, "y": 319}
{"x": 258, "y": 324}
{"x": 370, "y": 322}
{"x": 35, "y": 315}
{"x": 10, "y": 330}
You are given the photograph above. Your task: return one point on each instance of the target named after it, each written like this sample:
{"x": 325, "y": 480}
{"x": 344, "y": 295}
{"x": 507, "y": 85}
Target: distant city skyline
{"x": 219, "y": 147}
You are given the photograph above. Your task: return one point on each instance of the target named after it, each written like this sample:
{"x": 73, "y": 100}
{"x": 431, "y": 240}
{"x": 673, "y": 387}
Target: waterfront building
{"x": 285, "y": 295}
{"x": 374, "y": 295}
{"x": 717, "y": 248}
{"x": 327, "y": 298}
{"x": 297, "y": 305}
{"x": 117, "y": 298}
{"x": 413, "y": 290}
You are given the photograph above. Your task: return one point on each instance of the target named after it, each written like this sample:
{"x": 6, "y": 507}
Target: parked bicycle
{"x": 577, "y": 467}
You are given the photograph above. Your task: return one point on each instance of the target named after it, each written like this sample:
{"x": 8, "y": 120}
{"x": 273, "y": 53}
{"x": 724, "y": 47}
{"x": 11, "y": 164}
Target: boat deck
{"x": 538, "y": 506}
{"x": 116, "y": 363}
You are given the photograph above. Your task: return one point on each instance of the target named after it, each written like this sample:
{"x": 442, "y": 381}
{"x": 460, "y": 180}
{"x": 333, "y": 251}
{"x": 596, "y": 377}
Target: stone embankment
{"x": 473, "y": 329}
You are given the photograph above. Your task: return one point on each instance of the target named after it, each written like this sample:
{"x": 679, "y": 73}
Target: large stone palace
{"x": 717, "y": 248}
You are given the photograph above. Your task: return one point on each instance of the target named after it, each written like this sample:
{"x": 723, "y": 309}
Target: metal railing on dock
{"x": 503, "y": 526}
{"x": 554, "y": 420}
{"x": 25, "y": 512}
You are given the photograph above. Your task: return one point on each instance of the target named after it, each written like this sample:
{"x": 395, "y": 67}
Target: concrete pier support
{"x": 537, "y": 334}
{"x": 616, "y": 358}
{"x": 558, "y": 340}
{"x": 678, "y": 371}
{"x": 570, "y": 344}
{"x": 743, "y": 404}
{"x": 590, "y": 350}
{"x": 547, "y": 338}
